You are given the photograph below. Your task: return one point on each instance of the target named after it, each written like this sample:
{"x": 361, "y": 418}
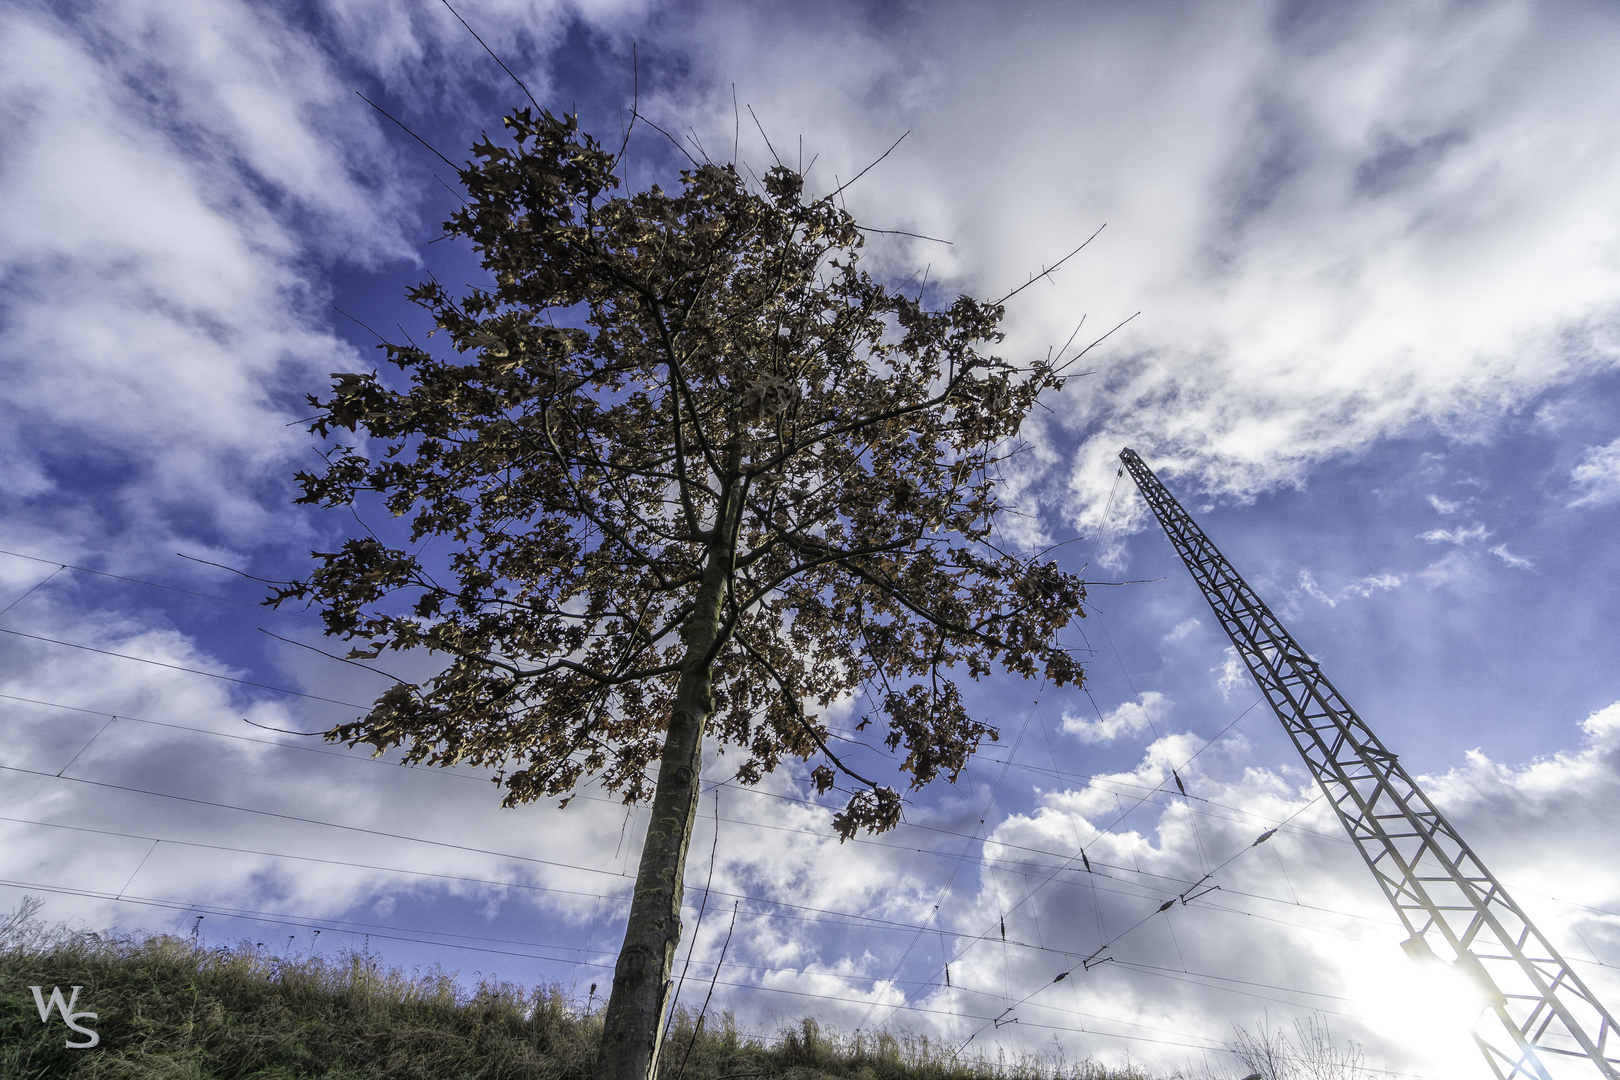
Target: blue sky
{"x": 1375, "y": 249}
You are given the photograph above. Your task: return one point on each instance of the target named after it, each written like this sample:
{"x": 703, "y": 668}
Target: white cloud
{"x": 1127, "y": 718}
{"x": 1336, "y": 224}
{"x": 1335, "y": 231}
{"x": 1444, "y": 506}
{"x": 1458, "y": 536}
{"x": 1516, "y": 561}
{"x": 155, "y": 249}
{"x": 1181, "y": 630}
{"x": 1597, "y": 476}
{"x": 1451, "y": 568}
{"x": 1233, "y": 673}
{"x": 1361, "y": 588}
{"x": 1297, "y": 926}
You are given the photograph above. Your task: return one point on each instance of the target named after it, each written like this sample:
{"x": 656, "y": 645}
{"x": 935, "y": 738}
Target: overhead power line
{"x": 336, "y": 927}
{"x": 411, "y": 936}
{"x": 1149, "y": 795}
{"x": 182, "y": 667}
{"x": 865, "y": 841}
{"x": 153, "y": 584}
{"x": 1540, "y": 1010}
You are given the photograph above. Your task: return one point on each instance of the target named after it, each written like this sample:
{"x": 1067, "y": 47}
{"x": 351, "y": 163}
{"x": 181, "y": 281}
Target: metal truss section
{"x": 1538, "y": 1019}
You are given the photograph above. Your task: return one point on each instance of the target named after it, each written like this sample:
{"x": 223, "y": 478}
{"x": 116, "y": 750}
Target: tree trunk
{"x": 632, "y": 1026}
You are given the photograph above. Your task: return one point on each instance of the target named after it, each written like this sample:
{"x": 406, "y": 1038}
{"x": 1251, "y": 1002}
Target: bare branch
{"x": 1050, "y": 270}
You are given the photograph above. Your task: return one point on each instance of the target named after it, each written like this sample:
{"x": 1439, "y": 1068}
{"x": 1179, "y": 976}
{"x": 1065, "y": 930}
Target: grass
{"x": 168, "y": 1009}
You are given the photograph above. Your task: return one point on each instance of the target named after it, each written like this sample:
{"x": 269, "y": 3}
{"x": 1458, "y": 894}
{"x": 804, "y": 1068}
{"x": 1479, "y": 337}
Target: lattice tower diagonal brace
{"x": 1547, "y": 1024}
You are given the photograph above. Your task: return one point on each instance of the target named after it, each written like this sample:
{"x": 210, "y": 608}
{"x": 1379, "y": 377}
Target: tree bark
{"x": 632, "y": 1026}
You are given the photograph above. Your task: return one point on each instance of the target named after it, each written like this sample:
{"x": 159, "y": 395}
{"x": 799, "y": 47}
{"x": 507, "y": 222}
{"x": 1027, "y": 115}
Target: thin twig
{"x": 360, "y": 324}
{"x": 332, "y": 656}
{"x": 673, "y": 140}
{"x": 635, "y": 108}
{"x": 284, "y": 731}
{"x": 232, "y": 569}
{"x": 704, "y": 1011}
{"x": 1049, "y": 271}
{"x": 491, "y": 52}
{"x": 766, "y": 137}
{"x": 870, "y": 167}
{"x": 1094, "y": 344}
{"x": 407, "y": 130}
{"x": 903, "y": 232}
{"x": 714, "y": 849}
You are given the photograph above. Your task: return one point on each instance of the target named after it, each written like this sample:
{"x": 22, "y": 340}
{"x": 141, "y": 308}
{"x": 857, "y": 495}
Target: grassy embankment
{"x": 171, "y": 1010}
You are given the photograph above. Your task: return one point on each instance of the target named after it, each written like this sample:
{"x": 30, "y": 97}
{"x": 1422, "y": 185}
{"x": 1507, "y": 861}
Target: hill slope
{"x": 169, "y": 1009}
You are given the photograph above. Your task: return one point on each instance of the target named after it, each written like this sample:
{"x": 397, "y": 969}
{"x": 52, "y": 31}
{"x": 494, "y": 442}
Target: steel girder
{"x": 1546, "y": 1024}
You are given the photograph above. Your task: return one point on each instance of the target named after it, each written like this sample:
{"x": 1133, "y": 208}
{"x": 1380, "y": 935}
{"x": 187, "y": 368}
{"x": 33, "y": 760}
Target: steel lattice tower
{"x": 1546, "y": 1022}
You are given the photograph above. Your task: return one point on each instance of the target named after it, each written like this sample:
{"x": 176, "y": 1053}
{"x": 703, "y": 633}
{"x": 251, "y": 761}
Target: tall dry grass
{"x": 169, "y": 1009}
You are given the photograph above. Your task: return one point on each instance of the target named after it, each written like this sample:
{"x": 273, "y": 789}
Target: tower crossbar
{"x": 1538, "y": 1018}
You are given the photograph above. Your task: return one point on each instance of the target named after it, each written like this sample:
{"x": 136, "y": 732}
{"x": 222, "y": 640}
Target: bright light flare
{"x": 1425, "y": 1007}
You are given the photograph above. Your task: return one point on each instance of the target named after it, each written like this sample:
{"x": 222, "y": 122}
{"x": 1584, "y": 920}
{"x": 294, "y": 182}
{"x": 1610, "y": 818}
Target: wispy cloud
{"x": 1597, "y": 477}
{"x": 1127, "y": 718}
{"x": 1517, "y": 562}
{"x": 1181, "y": 630}
{"x": 1458, "y": 536}
{"x": 1309, "y": 255}
{"x": 1444, "y": 506}
{"x": 1362, "y": 588}
{"x": 154, "y": 250}
{"x": 1232, "y": 674}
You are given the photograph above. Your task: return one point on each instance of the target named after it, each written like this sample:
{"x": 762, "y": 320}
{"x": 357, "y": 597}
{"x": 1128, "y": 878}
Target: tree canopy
{"x": 681, "y": 432}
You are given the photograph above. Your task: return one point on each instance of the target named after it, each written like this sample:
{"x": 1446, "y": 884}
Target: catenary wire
{"x": 180, "y": 667}
{"x": 1174, "y": 880}
{"x": 339, "y": 926}
{"x": 1004, "y": 764}
{"x": 463, "y": 847}
{"x": 893, "y": 923}
{"x": 153, "y": 584}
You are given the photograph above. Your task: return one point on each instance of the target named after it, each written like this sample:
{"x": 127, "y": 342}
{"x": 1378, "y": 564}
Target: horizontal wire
{"x": 401, "y": 934}
{"x": 409, "y": 935}
{"x": 888, "y": 924}
{"x": 395, "y": 934}
{"x": 312, "y": 821}
{"x": 154, "y": 584}
{"x": 892, "y": 924}
{"x": 883, "y": 923}
{"x": 868, "y": 841}
{"x": 180, "y": 667}
{"x": 876, "y": 922}
{"x": 983, "y": 859}
{"x": 1092, "y": 778}
{"x": 1057, "y": 773}
{"x": 328, "y": 925}
{"x": 1291, "y": 830}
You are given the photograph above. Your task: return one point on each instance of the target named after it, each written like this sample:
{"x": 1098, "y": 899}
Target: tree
{"x": 702, "y": 477}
